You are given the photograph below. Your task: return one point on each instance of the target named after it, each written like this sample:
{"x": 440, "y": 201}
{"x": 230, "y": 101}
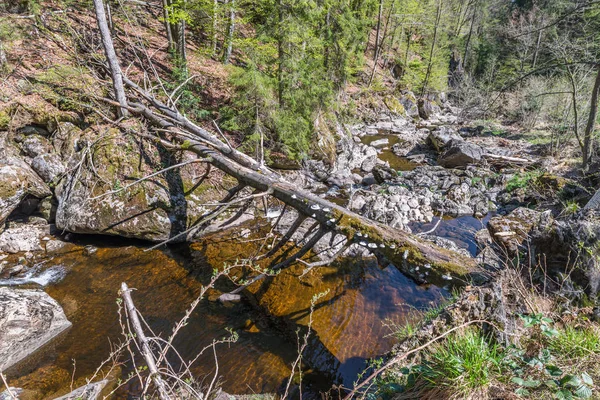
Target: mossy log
{"x": 407, "y": 252}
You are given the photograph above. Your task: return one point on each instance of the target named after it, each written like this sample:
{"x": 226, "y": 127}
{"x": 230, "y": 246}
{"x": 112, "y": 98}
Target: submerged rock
{"x": 29, "y": 320}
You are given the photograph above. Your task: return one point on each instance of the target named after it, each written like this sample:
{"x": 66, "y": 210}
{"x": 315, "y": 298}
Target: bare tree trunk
{"x": 537, "y": 47}
{"x": 376, "y": 50}
{"x": 464, "y": 60}
{"x": 111, "y": 57}
{"x": 280, "y": 53}
{"x": 109, "y": 18}
{"x": 435, "y": 34}
{"x": 171, "y": 44}
{"x": 574, "y": 101}
{"x": 401, "y": 248}
{"x": 215, "y": 26}
{"x": 230, "y": 33}
{"x": 3, "y": 59}
{"x": 181, "y": 46}
{"x": 589, "y": 129}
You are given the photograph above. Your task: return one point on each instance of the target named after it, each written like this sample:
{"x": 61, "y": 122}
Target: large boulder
{"x": 441, "y": 136}
{"x": 93, "y": 198}
{"x": 16, "y": 183}
{"x": 459, "y": 154}
{"x": 29, "y": 320}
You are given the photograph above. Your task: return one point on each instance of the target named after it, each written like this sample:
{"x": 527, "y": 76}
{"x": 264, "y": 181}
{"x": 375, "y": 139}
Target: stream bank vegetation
{"x": 294, "y": 70}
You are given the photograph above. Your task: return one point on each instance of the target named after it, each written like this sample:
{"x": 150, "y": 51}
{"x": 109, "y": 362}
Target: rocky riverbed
{"x": 59, "y": 180}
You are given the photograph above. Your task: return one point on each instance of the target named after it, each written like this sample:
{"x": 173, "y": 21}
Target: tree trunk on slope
{"x": 589, "y": 129}
{"x": 111, "y": 57}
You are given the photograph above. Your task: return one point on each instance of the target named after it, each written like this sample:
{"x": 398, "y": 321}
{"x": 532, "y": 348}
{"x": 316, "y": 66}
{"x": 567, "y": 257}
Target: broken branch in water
{"x": 143, "y": 343}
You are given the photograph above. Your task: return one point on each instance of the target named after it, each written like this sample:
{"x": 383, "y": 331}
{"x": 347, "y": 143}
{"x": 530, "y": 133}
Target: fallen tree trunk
{"x": 404, "y": 250}
{"x": 408, "y": 252}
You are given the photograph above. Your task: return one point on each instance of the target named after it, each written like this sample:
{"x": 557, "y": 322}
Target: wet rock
{"x": 380, "y": 143}
{"x": 55, "y": 246}
{"x": 447, "y": 244}
{"x": 29, "y": 320}
{"x": 48, "y": 166}
{"x": 90, "y": 391}
{"x": 459, "y": 154}
{"x": 11, "y": 393}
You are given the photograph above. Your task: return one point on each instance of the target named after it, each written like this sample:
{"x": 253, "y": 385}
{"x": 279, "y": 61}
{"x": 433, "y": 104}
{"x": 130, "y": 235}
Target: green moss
{"x": 394, "y": 105}
{"x": 4, "y": 119}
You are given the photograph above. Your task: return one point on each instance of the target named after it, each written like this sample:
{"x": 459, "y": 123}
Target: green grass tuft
{"x": 576, "y": 342}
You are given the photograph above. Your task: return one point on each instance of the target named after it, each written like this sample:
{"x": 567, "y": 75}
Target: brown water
{"x": 348, "y": 321}
{"x": 386, "y": 153}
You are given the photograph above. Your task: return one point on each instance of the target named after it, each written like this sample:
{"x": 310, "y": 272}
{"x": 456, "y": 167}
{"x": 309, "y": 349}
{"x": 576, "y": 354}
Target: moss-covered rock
{"x": 94, "y": 198}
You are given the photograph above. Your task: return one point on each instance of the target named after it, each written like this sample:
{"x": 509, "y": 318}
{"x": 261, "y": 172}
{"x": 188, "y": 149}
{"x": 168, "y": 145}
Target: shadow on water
{"x": 348, "y": 322}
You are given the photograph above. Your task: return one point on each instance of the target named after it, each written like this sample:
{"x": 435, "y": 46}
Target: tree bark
{"x": 435, "y": 34}
{"x": 589, "y": 129}
{"x": 380, "y": 14}
{"x": 143, "y": 343}
{"x": 3, "y": 59}
{"x": 399, "y": 247}
{"x": 464, "y": 59}
{"x": 171, "y": 44}
{"x": 111, "y": 57}
{"x": 230, "y": 33}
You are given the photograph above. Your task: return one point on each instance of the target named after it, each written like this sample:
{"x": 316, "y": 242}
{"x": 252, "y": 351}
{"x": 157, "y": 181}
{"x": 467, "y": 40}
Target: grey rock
{"x": 16, "y": 182}
{"x": 410, "y": 106}
{"x": 427, "y": 109}
{"x": 358, "y": 202}
{"x": 14, "y": 393}
{"x": 440, "y": 137}
{"x": 383, "y": 173}
{"x": 48, "y": 166}
{"x": 90, "y": 391}
{"x": 22, "y": 238}
{"x": 380, "y": 143}
{"x": 369, "y": 164}
{"x": 459, "y": 153}
{"x": 34, "y": 146}
{"x": 29, "y": 320}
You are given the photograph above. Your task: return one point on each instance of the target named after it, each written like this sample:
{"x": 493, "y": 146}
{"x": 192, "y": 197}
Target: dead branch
{"x": 143, "y": 343}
